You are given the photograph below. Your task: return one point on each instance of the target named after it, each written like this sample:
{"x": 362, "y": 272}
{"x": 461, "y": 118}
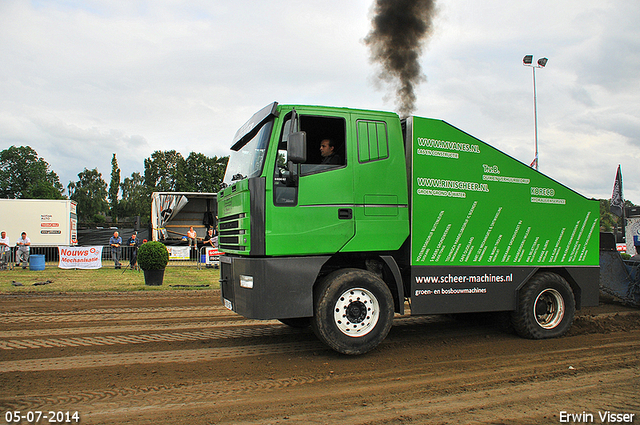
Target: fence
{"x": 51, "y": 257}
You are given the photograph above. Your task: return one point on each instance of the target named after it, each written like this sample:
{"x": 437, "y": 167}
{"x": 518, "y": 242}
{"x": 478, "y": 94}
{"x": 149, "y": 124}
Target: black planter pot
{"x": 153, "y": 277}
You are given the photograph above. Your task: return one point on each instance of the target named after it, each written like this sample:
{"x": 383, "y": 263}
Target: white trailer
{"x": 47, "y": 222}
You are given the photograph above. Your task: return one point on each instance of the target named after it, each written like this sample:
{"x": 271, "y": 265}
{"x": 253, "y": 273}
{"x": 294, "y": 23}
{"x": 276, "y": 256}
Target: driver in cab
{"x": 327, "y": 151}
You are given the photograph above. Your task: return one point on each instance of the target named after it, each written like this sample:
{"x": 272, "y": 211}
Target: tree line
{"x": 25, "y": 175}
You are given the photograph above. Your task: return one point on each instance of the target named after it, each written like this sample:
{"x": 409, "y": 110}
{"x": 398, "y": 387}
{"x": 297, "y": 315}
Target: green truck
{"x": 396, "y": 214}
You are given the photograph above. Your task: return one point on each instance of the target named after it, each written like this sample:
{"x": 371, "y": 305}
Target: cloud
{"x": 82, "y": 80}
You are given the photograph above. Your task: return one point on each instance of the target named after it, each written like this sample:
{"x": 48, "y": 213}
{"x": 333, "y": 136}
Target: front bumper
{"x": 269, "y": 287}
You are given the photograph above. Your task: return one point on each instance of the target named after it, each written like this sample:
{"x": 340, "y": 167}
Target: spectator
{"x": 5, "y": 250}
{"x": 115, "y": 241}
{"x": 133, "y": 242}
{"x": 636, "y": 242}
{"x": 191, "y": 236}
{"x": 210, "y": 239}
{"x": 22, "y": 254}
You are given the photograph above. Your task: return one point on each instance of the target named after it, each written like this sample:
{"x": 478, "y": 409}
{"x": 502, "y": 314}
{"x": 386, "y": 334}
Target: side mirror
{"x": 297, "y": 147}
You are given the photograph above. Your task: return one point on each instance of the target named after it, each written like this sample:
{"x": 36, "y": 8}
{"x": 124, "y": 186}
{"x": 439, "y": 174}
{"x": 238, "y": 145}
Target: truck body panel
{"x": 47, "y": 222}
{"x": 477, "y": 207}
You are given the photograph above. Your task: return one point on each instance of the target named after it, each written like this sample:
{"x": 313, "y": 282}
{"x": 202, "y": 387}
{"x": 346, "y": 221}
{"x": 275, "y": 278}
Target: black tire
{"x": 546, "y": 307}
{"x": 353, "y": 311}
{"x": 297, "y": 322}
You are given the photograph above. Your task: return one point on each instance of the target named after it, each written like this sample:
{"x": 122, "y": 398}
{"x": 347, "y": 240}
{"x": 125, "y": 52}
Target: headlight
{"x": 246, "y": 281}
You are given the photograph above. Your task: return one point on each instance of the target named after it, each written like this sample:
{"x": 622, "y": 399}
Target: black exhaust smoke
{"x": 399, "y": 31}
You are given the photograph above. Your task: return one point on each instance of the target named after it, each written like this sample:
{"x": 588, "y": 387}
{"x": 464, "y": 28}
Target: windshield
{"x": 248, "y": 161}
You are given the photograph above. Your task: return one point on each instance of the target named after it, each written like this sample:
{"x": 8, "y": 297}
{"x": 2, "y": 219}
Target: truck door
{"x": 312, "y": 204}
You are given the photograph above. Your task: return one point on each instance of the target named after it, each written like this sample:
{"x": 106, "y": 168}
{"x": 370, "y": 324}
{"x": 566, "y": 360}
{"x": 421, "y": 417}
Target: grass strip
{"x": 105, "y": 279}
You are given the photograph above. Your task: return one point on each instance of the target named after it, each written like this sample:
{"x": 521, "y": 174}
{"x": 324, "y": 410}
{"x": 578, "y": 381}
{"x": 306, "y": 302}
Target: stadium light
{"x": 542, "y": 62}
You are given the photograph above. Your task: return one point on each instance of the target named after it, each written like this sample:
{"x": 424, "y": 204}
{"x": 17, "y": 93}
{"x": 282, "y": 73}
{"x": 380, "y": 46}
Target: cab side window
{"x": 373, "y": 140}
{"x": 323, "y": 132}
{"x": 285, "y": 192}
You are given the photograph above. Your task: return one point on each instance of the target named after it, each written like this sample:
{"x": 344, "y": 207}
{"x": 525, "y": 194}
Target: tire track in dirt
{"x": 77, "y": 336}
{"x": 498, "y": 405}
{"x": 175, "y": 356}
{"x": 101, "y": 297}
{"x": 513, "y": 379}
{"x": 218, "y": 327}
{"x": 179, "y": 393}
{"x": 257, "y": 372}
{"x": 103, "y": 311}
{"x": 88, "y": 341}
{"x": 115, "y": 328}
{"x": 110, "y": 316}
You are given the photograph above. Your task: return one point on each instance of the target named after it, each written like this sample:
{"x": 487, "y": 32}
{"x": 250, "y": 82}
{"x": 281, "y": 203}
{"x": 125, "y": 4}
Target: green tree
{"x": 164, "y": 172}
{"x": 114, "y": 188}
{"x": 90, "y": 192}
{"x": 136, "y": 198}
{"x": 203, "y": 173}
{"x": 23, "y": 175}
{"x": 607, "y": 220}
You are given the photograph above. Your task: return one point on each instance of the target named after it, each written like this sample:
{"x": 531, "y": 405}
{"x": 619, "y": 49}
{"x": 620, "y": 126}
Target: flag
{"x": 617, "y": 201}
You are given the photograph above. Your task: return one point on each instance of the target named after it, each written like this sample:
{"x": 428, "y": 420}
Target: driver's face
{"x": 325, "y": 148}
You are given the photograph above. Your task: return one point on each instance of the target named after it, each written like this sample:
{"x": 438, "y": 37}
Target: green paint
{"x": 474, "y": 205}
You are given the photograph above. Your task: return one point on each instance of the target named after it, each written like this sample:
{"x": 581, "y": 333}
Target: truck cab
{"x": 290, "y": 219}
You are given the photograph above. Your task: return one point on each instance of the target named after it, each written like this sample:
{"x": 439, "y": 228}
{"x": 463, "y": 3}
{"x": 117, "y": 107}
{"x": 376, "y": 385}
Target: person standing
{"x": 212, "y": 241}
{"x": 5, "y": 250}
{"x": 115, "y": 241}
{"x": 133, "y": 243}
{"x": 22, "y": 254}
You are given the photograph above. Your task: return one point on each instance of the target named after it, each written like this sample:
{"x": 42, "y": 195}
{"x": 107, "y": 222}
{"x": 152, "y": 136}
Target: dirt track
{"x": 182, "y": 358}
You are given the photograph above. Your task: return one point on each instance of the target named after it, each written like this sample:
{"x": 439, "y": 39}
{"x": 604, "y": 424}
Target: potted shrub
{"x": 152, "y": 259}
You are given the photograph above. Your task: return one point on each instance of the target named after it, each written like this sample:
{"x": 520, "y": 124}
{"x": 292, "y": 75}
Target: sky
{"x": 81, "y": 80}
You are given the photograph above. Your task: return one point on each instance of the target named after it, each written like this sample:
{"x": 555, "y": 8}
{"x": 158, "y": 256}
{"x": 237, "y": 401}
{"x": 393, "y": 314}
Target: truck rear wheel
{"x": 546, "y": 307}
{"x": 353, "y": 311}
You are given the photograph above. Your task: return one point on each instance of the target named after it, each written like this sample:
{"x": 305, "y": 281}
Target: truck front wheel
{"x": 353, "y": 311}
{"x": 546, "y": 307}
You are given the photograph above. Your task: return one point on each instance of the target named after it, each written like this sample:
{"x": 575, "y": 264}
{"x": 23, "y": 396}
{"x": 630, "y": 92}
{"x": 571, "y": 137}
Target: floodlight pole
{"x": 542, "y": 62}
